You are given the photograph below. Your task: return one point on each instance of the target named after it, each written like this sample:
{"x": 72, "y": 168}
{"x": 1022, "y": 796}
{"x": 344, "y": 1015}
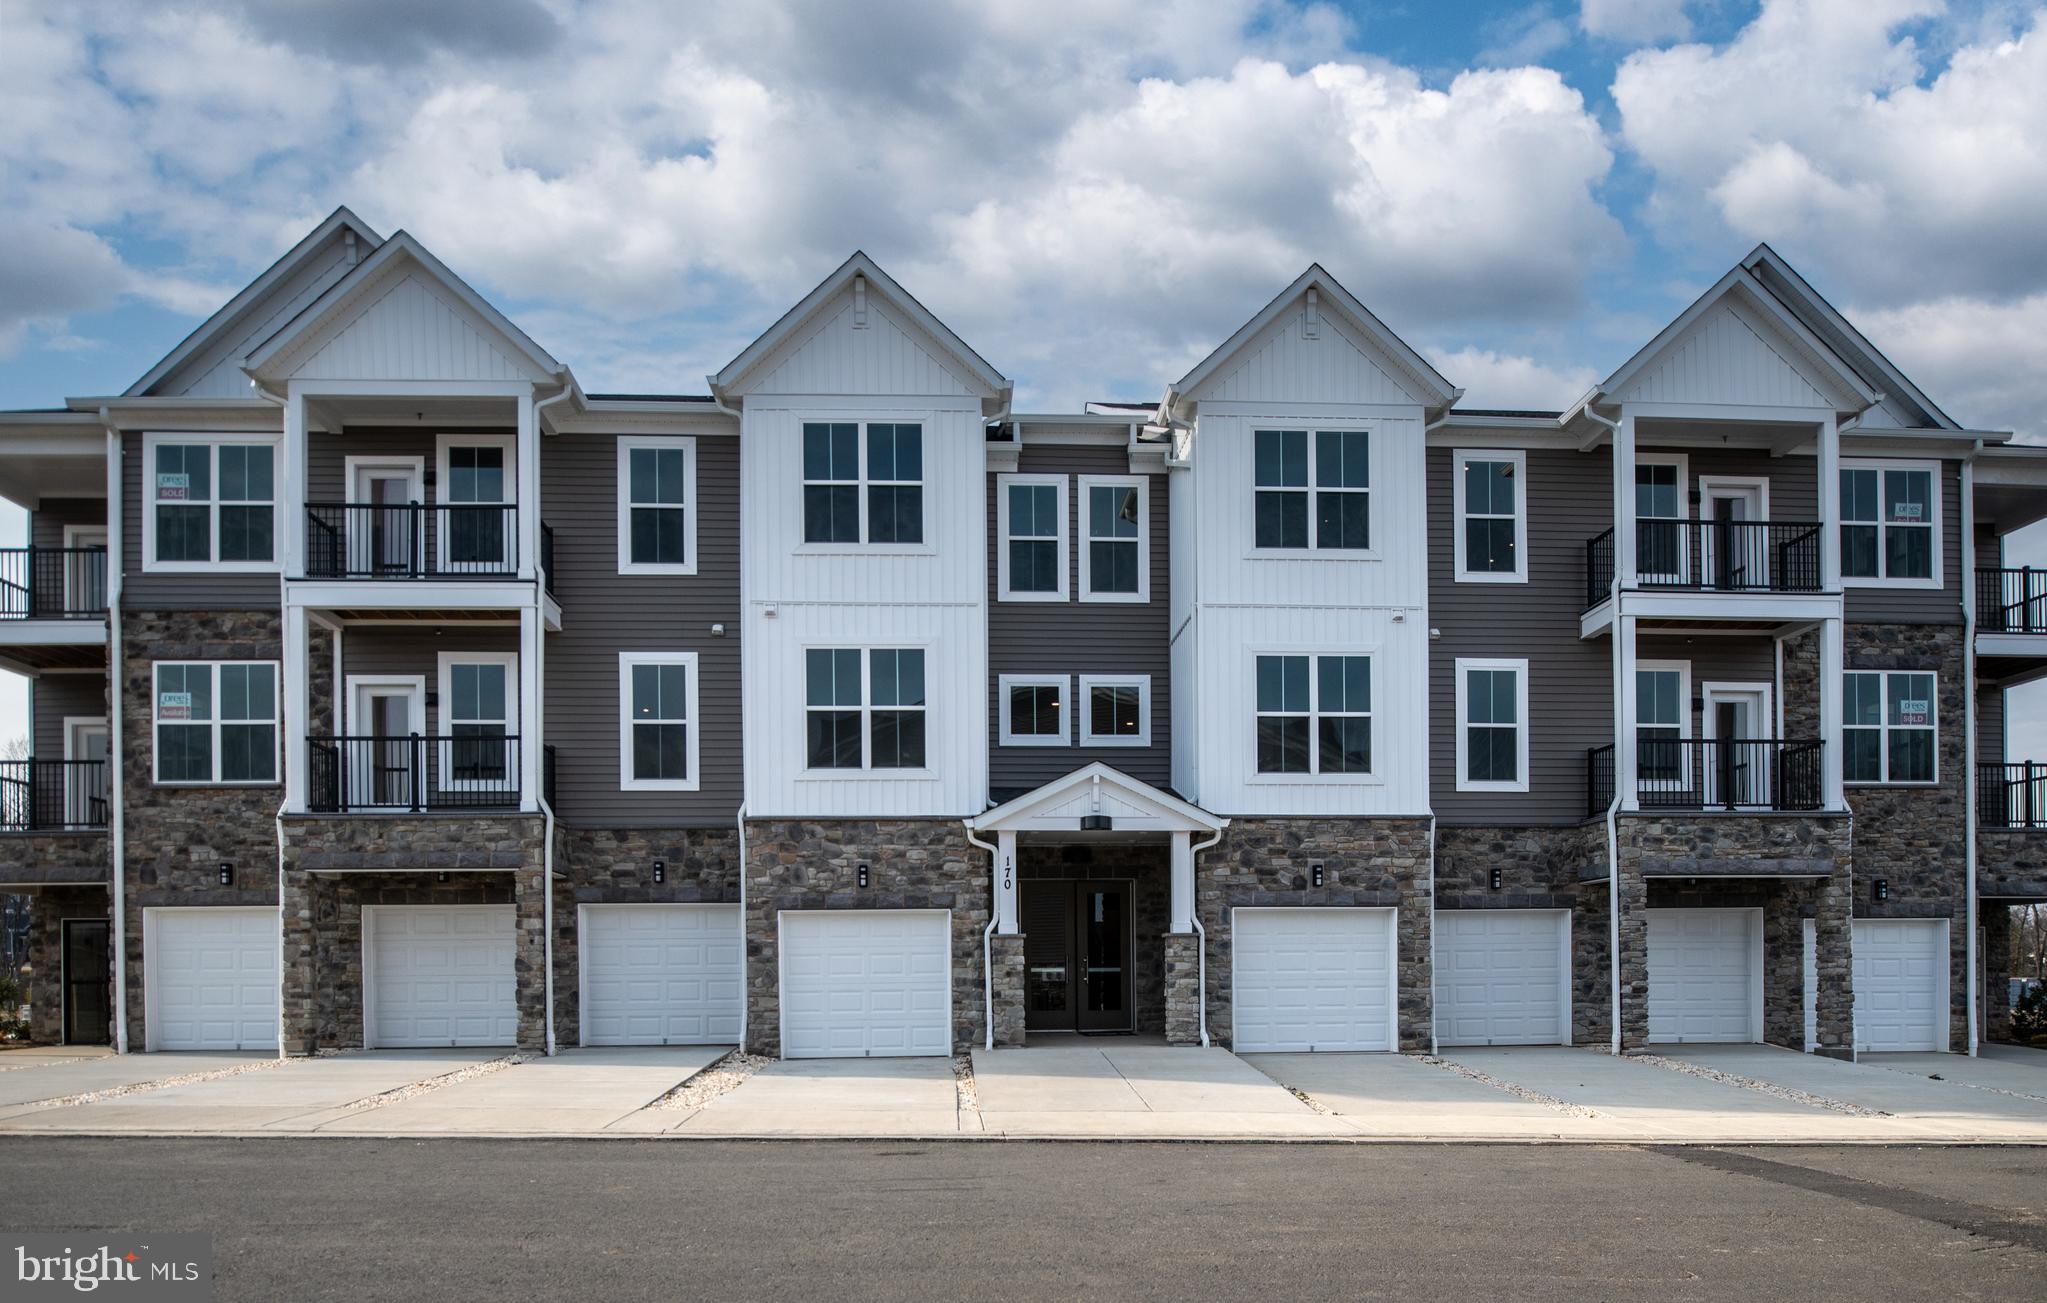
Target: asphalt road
{"x": 599, "y": 1221}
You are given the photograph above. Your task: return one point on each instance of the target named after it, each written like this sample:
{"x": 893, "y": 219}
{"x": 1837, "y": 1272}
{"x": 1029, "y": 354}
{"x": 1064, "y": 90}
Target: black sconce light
{"x": 660, "y": 870}
{"x": 1096, "y": 823}
{"x": 440, "y": 877}
{"x": 863, "y": 877}
{"x": 227, "y": 875}
{"x": 1315, "y": 873}
{"x": 1496, "y": 879}
{"x": 1881, "y": 889}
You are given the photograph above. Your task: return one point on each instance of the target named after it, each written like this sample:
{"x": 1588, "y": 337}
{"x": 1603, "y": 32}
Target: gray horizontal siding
{"x": 1794, "y": 481}
{"x": 58, "y": 695}
{"x": 156, "y": 592}
{"x": 1075, "y": 637}
{"x": 410, "y": 649}
{"x": 605, "y": 613}
{"x": 327, "y": 455}
{"x": 1714, "y": 659}
{"x": 1990, "y": 727}
{"x": 1941, "y": 605}
{"x": 1570, "y": 702}
{"x": 48, "y": 521}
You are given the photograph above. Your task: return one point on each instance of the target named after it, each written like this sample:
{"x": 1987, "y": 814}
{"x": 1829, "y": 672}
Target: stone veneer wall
{"x": 47, "y": 912}
{"x": 178, "y": 837}
{"x": 1540, "y": 868}
{"x": 1147, "y": 867}
{"x": 1366, "y": 862}
{"x": 1916, "y": 837}
{"x": 1183, "y": 984}
{"x": 30, "y": 859}
{"x": 912, "y": 864}
{"x": 2011, "y": 862}
{"x": 1009, "y": 991}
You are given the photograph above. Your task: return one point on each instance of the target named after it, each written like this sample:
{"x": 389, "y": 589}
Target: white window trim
{"x": 1683, "y": 670}
{"x": 1312, "y": 553}
{"x": 280, "y": 493}
{"x": 1883, "y": 729}
{"x": 1519, "y": 459}
{"x": 863, "y": 546}
{"x": 1142, "y": 483}
{"x": 444, "y": 728}
{"x": 276, "y": 722}
{"x": 442, "y": 445}
{"x": 1313, "y": 774}
{"x": 1084, "y": 709}
{"x": 1521, "y": 727}
{"x": 867, "y": 708}
{"x": 626, "y": 781}
{"x": 1010, "y": 738}
{"x": 688, "y": 507}
{"x": 1683, "y": 462}
{"x": 1881, "y": 464}
{"x": 1003, "y": 484}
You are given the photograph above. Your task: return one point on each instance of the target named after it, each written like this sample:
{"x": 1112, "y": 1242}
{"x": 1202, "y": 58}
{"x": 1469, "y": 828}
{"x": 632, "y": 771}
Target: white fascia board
{"x": 509, "y": 595}
{"x": 1682, "y": 605}
{"x": 1019, "y": 810}
{"x": 53, "y": 633}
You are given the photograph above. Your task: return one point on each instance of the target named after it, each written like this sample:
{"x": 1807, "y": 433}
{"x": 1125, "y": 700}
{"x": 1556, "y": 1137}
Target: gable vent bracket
{"x": 1311, "y": 319}
{"x": 859, "y": 303}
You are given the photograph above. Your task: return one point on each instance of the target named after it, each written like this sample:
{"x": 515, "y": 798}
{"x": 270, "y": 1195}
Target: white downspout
{"x": 1969, "y": 812}
{"x": 117, "y": 754}
{"x": 1613, "y": 858}
{"x": 1201, "y": 937}
{"x": 988, "y": 935}
{"x": 1432, "y": 932}
{"x": 536, "y": 727}
{"x": 744, "y": 1001}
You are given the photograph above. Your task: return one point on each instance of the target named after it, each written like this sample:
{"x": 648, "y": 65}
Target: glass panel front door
{"x": 1076, "y": 955}
{"x": 88, "y": 987}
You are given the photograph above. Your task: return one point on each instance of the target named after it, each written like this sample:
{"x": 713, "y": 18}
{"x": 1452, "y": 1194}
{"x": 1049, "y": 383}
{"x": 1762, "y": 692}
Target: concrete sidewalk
{"x": 578, "y": 1091}
{"x": 1400, "y": 1096}
{"x": 1916, "y": 1104}
{"x": 21, "y": 1090}
{"x": 1997, "y": 1067}
{"x": 905, "y": 1098}
{"x": 1126, "y": 1090}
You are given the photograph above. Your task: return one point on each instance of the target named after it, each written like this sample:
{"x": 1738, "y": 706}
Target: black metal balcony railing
{"x": 547, "y": 557}
{"x": 1713, "y": 774}
{"x": 53, "y": 583}
{"x": 1720, "y": 556}
{"x": 547, "y": 763}
{"x": 53, "y": 795}
{"x": 360, "y": 540}
{"x": 2011, "y": 601}
{"x": 413, "y": 773}
{"x": 2011, "y": 796}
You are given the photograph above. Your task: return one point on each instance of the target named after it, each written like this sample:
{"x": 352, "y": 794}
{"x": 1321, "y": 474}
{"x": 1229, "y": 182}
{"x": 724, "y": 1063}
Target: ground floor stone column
{"x": 1833, "y": 940}
{"x": 530, "y": 957}
{"x": 300, "y": 1013}
{"x": 1007, "y": 960}
{"x": 1183, "y": 988}
{"x": 1592, "y": 969}
{"x": 1634, "y": 956}
{"x": 1784, "y": 916}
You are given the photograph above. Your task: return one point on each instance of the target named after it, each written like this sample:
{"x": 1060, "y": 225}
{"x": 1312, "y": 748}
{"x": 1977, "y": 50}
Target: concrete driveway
{"x": 23, "y": 1089}
{"x": 907, "y": 1098}
{"x": 1400, "y": 1096}
{"x": 1917, "y": 1104}
{"x": 578, "y": 1091}
{"x": 1105, "y": 1089}
{"x": 2012, "y": 1068}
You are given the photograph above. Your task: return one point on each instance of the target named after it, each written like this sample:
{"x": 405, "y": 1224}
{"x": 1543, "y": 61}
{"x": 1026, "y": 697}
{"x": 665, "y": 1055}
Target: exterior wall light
{"x": 660, "y": 870}
{"x": 1096, "y": 823}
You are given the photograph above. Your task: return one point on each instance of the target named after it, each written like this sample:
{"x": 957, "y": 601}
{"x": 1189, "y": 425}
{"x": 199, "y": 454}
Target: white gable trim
{"x": 1409, "y": 365}
{"x": 1133, "y": 806}
{"x": 214, "y": 326}
{"x": 794, "y": 325}
{"x": 363, "y": 288}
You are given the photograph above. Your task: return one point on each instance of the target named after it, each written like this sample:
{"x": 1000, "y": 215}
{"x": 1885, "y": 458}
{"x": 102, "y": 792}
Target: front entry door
{"x": 88, "y": 988}
{"x": 1076, "y": 956}
{"x": 1737, "y": 552}
{"x": 1737, "y": 730}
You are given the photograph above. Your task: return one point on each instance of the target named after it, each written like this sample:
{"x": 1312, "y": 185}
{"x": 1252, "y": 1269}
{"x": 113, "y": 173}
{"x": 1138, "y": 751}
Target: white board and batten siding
{"x": 1734, "y": 356}
{"x": 408, "y": 328}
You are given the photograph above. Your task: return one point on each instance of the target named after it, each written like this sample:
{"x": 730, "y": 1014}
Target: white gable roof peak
{"x": 864, "y": 295}
{"x": 1316, "y": 295}
{"x": 1097, "y": 789}
{"x": 407, "y": 284}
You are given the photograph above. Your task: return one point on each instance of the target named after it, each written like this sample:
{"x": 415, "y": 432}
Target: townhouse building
{"x": 390, "y": 690}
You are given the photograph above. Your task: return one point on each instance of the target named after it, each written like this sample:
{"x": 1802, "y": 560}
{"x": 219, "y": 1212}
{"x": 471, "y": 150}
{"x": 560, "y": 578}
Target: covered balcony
{"x": 2011, "y": 831}
{"x": 414, "y": 774}
{"x": 1712, "y": 556}
{"x": 53, "y": 795}
{"x": 1714, "y": 775}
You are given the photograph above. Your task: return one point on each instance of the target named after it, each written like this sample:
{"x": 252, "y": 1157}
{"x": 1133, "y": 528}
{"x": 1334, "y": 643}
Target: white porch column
{"x": 1624, "y": 751}
{"x": 1180, "y": 919}
{"x": 1830, "y": 505}
{"x": 297, "y": 722}
{"x": 527, "y": 495}
{"x": 292, "y": 499}
{"x": 1833, "y": 663}
{"x": 1624, "y": 558}
{"x": 1005, "y": 884}
{"x": 530, "y": 742}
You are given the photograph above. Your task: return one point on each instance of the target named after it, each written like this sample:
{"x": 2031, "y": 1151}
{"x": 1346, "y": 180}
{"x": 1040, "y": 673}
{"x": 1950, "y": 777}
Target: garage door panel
{"x": 866, "y": 983}
{"x": 1703, "y": 978}
{"x": 1900, "y": 984}
{"x": 1312, "y": 979}
{"x": 1500, "y": 977}
{"x": 441, "y": 975}
{"x": 212, "y": 978}
{"x": 660, "y": 974}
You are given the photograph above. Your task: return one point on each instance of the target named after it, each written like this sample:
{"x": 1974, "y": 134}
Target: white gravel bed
{"x": 1761, "y": 1087}
{"x": 1310, "y": 1100}
{"x": 35, "y": 1061}
{"x": 724, "y": 1075}
{"x": 143, "y": 1087}
{"x": 1565, "y": 1107}
{"x": 427, "y": 1085}
{"x": 963, "y": 1081}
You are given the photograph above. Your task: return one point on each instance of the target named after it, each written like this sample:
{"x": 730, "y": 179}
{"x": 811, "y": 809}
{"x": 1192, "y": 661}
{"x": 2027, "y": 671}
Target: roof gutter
{"x": 1969, "y": 812}
{"x": 117, "y": 861}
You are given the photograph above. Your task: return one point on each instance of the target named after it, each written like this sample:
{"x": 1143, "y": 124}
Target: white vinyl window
{"x": 476, "y": 524}
{"x": 1115, "y": 531}
{"x": 1662, "y": 545}
{"x": 657, "y": 708}
{"x": 1492, "y": 725}
{"x": 864, "y": 707}
{"x": 1663, "y": 723}
{"x": 479, "y": 703}
{"x": 1115, "y": 710}
{"x": 863, "y": 483}
{"x": 1033, "y": 709}
{"x": 209, "y": 502}
{"x": 216, "y": 722}
{"x": 1491, "y": 514}
{"x": 1311, "y": 490}
{"x": 1030, "y": 515}
{"x": 1314, "y": 714}
{"x": 1889, "y": 729}
{"x": 657, "y": 506}
{"x": 1890, "y": 523}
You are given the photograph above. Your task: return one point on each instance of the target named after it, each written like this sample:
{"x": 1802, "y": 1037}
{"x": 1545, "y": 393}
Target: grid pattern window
{"x": 1315, "y": 714}
{"x": 216, "y": 722}
{"x": 1032, "y": 710}
{"x": 1890, "y": 519}
{"x": 1659, "y": 521}
{"x": 1116, "y": 710}
{"x": 863, "y": 484}
{"x": 657, "y": 506}
{"x": 212, "y": 502}
{"x": 477, "y": 694}
{"x": 659, "y": 708}
{"x": 1492, "y": 525}
{"x": 1115, "y": 555}
{"x": 1662, "y": 723}
{"x": 1031, "y": 512}
{"x": 1889, "y": 729}
{"x": 1320, "y": 478}
{"x": 865, "y": 708}
{"x": 1492, "y": 728}
{"x": 479, "y": 534}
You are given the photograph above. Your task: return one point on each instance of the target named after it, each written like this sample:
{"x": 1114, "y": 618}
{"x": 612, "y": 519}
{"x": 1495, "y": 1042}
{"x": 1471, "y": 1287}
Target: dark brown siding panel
{"x": 157, "y": 592}
{"x": 1570, "y": 702}
{"x": 1990, "y": 726}
{"x": 59, "y": 695}
{"x": 327, "y": 455}
{"x": 605, "y": 613}
{"x": 1941, "y": 605}
{"x": 1075, "y": 637}
{"x": 1793, "y": 480}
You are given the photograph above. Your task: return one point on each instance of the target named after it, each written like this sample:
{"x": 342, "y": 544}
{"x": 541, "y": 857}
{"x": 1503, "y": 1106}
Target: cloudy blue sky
{"x": 1092, "y": 192}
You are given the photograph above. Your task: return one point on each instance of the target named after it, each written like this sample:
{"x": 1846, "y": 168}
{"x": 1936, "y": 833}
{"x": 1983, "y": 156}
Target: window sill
{"x": 1060, "y": 741}
{"x": 1490, "y": 577}
{"x": 1117, "y": 599}
{"x": 652, "y": 569}
{"x": 1315, "y": 780}
{"x": 659, "y": 785}
{"x": 1923, "y": 585}
{"x": 1115, "y": 743}
{"x": 212, "y": 568}
{"x": 1495, "y": 789}
{"x": 1031, "y": 597}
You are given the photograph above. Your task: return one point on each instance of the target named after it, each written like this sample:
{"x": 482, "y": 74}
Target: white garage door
{"x": 1901, "y": 977}
{"x": 1703, "y": 978}
{"x": 866, "y": 983}
{"x": 660, "y": 974}
{"x": 1502, "y": 977}
{"x": 1812, "y": 985}
{"x": 211, "y": 978}
{"x": 439, "y": 975}
{"x": 1312, "y": 979}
